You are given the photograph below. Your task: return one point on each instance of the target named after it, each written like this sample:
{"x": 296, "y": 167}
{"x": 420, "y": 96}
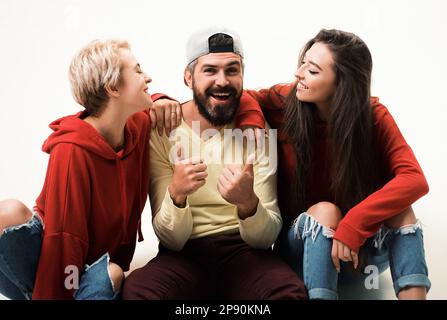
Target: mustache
{"x": 228, "y": 89}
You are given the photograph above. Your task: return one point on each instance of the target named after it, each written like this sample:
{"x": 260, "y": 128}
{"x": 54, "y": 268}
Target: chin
{"x": 302, "y": 97}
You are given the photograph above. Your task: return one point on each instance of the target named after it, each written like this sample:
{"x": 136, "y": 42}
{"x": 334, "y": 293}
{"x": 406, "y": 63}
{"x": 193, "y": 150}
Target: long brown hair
{"x": 350, "y": 124}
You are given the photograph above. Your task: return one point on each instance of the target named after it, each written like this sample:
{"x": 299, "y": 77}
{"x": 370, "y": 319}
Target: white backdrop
{"x": 406, "y": 38}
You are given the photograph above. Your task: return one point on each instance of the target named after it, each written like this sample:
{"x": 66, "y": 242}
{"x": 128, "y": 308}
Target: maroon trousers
{"x": 215, "y": 267}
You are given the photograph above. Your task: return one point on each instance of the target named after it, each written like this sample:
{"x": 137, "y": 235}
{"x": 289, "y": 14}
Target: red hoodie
{"x": 404, "y": 181}
{"x": 91, "y": 201}
{"x": 93, "y": 196}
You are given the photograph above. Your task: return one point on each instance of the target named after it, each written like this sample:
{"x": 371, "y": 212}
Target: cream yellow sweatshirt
{"x": 206, "y": 213}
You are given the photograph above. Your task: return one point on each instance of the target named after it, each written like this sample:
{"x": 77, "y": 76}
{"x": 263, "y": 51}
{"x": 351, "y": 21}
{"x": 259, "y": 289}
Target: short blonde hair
{"x": 94, "y": 67}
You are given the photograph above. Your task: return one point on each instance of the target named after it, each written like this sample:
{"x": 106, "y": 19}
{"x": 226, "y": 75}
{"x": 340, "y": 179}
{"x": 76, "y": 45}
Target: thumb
{"x": 249, "y": 164}
{"x": 180, "y": 152}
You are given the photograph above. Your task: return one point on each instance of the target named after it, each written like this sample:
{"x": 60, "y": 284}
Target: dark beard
{"x": 220, "y": 115}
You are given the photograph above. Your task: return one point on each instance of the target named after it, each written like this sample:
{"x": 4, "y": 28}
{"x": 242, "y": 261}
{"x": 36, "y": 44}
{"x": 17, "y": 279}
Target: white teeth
{"x": 301, "y": 86}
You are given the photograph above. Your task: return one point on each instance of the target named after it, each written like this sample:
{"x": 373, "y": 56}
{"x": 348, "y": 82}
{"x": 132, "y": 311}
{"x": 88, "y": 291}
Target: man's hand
{"x": 236, "y": 186}
{"x": 340, "y": 251}
{"x": 189, "y": 175}
{"x": 167, "y": 113}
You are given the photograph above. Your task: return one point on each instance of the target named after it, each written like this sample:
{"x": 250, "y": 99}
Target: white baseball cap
{"x": 198, "y": 43}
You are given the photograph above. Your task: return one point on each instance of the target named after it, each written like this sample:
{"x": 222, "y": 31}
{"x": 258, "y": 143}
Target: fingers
{"x": 223, "y": 181}
{"x": 334, "y": 255}
{"x": 153, "y": 118}
{"x": 160, "y": 120}
{"x": 200, "y": 183}
{"x": 176, "y": 114}
{"x": 229, "y": 175}
{"x": 166, "y": 113}
{"x": 167, "y": 119}
{"x": 179, "y": 114}
{"x": 340, "y": 251}
{"x": 355, "y": 259}
{"x": 199, "y": 167}
{"x": 346, "y": 253}
{"x": 173, "y": 119}
{"x": 201, "y": 175}
{"x": 235, "y": 169}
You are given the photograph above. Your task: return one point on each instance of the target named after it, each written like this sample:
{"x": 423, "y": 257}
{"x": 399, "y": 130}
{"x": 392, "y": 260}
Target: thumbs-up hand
{"x": 236, "y": 187}
{"x": 189, "y": 175}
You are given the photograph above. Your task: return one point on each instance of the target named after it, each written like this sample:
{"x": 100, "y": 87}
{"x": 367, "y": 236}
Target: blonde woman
{"x": 81, "y": 234}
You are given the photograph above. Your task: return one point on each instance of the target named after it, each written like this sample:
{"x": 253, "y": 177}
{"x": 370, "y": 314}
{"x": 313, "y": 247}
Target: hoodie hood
{"x": 72, "y": 129}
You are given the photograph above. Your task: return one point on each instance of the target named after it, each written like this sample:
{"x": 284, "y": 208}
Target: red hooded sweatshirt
{"x": 404, "y": 181}
{"x": 93, "y": 196}
{"x": 91, "y": 201}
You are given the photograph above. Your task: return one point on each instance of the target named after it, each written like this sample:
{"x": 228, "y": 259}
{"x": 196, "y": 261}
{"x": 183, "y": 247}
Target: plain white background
{"x": 406, "y": 38}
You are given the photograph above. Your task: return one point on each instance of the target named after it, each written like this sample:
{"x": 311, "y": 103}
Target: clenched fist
{"x": 189, "y": 175}
{"x": 236, "y": 186}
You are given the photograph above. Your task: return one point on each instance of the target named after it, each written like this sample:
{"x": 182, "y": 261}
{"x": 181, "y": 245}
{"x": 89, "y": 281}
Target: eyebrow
{"x": 226, "y": 66}
{"x": 316, "y": 65}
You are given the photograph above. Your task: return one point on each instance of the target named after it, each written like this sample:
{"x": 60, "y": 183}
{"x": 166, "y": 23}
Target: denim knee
{"x": 19, "y": 255}
{"x": 320, "y": 276}
{"x": 95, "y": 282}
{"x": 407, "y": 258}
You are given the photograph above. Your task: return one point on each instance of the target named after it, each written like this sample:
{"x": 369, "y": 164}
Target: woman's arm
{"x": 65, "y": 238}
{"x": 272, "y": 102}
{"x": 407, "y": 185}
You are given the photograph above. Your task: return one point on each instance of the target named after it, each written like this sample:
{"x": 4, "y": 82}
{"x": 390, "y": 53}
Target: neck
{"x": 110, "y": 124}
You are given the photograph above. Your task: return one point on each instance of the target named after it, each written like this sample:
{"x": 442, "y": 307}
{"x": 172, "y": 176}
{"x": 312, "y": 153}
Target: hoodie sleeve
{"x": 407, "y": 185}
{"x": 65, "y": 237}
{"x": 272, "y": 102}
{"x": 249, "y": 113}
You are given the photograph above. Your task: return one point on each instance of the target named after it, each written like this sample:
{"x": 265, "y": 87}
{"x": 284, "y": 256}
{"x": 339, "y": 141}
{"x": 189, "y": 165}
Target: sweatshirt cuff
{"x": 173, "y": 225}
{"x": 170, "y": 205}
{"x": 158, "y": 96}
{"x": 349, "y": 236}
{"x": 257, "y": 222}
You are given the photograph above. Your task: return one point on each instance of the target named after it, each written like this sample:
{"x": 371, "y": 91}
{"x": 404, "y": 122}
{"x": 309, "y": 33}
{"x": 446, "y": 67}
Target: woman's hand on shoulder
{"x": 165, "y": 113}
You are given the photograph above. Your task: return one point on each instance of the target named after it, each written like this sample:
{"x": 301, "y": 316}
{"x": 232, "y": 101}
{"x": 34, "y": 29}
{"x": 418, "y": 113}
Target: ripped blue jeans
{"x": 19, "y": 256}
{"x": 307, "y": 248}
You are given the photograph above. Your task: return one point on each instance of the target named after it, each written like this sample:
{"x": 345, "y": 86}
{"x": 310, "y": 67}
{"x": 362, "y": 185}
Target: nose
{"x": 147, "y": 79}
{"x": 221, "y": 79}
{"x": 299, "y": 73}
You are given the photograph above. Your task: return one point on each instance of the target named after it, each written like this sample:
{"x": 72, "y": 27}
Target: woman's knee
{"x": 13, "y": 213}
{"x": 326, "y": 213}
{"x": 406, "y": 217}
{"x": 116, "y": 275}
